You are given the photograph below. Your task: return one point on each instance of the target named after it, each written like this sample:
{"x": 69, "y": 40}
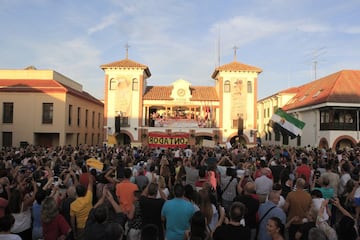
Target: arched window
{"x": 113, "y": 84}
{"x": 227, "y": 86}
{"x": 135, "y": 84}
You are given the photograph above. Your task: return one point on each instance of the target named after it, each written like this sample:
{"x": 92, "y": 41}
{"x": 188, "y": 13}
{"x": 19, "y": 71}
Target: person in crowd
{"x": 251, "y": 201}
{"x": 6, "y": 223}
{"x": 304, "y": 170}
{"x": 347, "y": 227}
{"x": 105, "y": 217}
{"x": 192, "y": 173}
{"x": 176, "y": 214}
{"x": 4, "y": 194}
{"x": 344, "y": 178}
{"x": 202, "y": 179}
{"x": 214, "y": 216}
{"x": 20, "y": 203}
{"x": 235, "y": 227}
{"x": 334, "y": 180}
{"x": 316, "y": 234}
{"x": 268, "y": 210}
{"x": 263, "y": 185}
{"x": 150, "y": 232}
{"x": 141, "y": 180}
{"x": 228, "y": 188}
{"x": 37, "y": 232}
{"x": 163, "y": 189}
{"x": 198, "y": 228}
{"x": 134, "y": 217}
{"x": 125, "y": 191}
{"x": 151, "y": 207}
{"x": 309, "y": 222}
{"x": 54, "y": 224}
{"x": 275, "y": 228}
{"x": 80, "y": 208}
{"x": 297, "y": 203}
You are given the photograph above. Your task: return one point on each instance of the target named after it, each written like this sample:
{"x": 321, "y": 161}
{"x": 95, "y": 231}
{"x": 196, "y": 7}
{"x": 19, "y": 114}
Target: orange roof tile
{"x": 44, "y": 86}
{"x": 203, "y": 93}
{"x": 199, "y": 93}
{"x": 158, "y": 93}
{"x": 126, "y": 63}
{"x": 236, "y": 66}
{"x": 340, "y": 87}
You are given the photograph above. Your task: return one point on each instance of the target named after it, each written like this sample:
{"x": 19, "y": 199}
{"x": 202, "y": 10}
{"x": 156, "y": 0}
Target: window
{"x": 78, "y": 116}
{"x": 70, "y": 114}
{"x": 7, "y": 139}
{"x": 285, "y": 140}
{"x": 249, "y": 87}
{"x": 113, "y": 84}
{"x": 77, "y": 138}
{"x": 298, "y": 141}
{"x": 135, "y": 84}
{"x": 227, "y": 86}
{"x": 85, "y": 140}
{"x": 92, "y": 138}
{"x": 47, "y": 113}
{"x": 93, "y": 119}
{"x": 86, "y": 117}
{"x": 277, "y": 135}
{"x": 8, "y": 112}
{"x": 99, "y": 119}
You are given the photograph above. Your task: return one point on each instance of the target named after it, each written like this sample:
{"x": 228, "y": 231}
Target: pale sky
{"x": 179, "y": 39}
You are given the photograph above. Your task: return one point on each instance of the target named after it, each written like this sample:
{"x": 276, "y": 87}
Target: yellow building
{"x": 43, "y": 107}
{"x": 180, "y": 114}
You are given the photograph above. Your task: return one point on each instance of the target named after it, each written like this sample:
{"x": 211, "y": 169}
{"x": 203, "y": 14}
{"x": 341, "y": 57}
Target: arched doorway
{"x": 323, "y": 143}
{"x": 344, "y": 143}
{"x": 200, "y": 139}
{"x": 123, "y": 139}
{"x": 238, "y": 140}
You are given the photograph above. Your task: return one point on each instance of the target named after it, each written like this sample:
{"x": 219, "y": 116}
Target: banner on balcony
{"x": 168, "y": 141}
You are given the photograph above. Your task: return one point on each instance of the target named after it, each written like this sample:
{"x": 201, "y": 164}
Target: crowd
{"x": 196, "y": 193}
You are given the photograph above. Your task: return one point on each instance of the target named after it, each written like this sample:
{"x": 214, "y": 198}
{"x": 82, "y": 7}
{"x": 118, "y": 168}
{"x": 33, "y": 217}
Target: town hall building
{"x": 180, "y": 114}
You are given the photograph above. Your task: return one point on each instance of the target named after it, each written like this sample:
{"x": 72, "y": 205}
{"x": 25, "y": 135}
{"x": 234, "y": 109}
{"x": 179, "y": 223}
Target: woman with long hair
{"x": 209, "y": 210}
{"x": 198, "y": 228}
{"x": 275, "y": 228}
{"x": 54, "y": 224}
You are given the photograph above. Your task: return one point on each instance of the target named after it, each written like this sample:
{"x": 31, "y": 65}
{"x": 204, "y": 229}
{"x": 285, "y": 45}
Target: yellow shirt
{"x": 80, "y": 208}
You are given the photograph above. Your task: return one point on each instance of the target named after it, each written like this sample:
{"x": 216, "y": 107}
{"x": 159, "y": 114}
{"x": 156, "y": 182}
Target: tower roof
{"x": 126, "y": 63}
{"x": 235, "y": 66}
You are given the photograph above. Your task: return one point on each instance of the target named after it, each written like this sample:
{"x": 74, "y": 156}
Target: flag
{"x": 286, "y": 124}
{"x": 112, "y": 139}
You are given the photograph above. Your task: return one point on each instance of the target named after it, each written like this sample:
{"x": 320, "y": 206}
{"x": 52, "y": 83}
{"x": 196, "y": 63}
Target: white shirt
{"x": 343, "y": 180}
{"x": 263, "y": 185}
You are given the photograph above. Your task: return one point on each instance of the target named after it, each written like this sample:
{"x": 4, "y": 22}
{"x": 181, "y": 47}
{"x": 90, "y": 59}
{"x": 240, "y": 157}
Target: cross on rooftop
{"x": 235, "y": 48}
{"x": 127, "y": 46}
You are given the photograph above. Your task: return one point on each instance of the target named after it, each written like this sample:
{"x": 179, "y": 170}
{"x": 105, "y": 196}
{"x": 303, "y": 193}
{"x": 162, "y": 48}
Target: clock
{"x": 181, "y": 92}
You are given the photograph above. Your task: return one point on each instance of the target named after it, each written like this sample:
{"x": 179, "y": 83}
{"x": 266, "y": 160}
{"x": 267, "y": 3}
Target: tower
{"x": 125, "y": 83}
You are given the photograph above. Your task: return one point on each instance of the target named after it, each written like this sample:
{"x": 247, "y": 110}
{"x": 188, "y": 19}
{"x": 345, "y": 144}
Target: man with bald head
{"x": 251, "y": 201}
{"x": 297, "y": 204}
{"x": 268, "y": 210}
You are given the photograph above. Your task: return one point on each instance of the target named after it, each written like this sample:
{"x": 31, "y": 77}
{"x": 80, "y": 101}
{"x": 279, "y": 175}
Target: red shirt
{"x": 84, "y": 179}
{"x": 54, "y": 229}
{"x": 305, "y": 170}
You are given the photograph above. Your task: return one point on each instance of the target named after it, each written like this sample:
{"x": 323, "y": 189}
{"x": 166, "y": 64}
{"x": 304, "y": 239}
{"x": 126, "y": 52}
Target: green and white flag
{"x": 287, "y": 123}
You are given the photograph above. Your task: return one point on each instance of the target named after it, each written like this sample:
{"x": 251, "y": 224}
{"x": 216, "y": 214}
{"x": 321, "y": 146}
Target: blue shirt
{"x": 275, "y": 212}
{"x": 177, "y": 213}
